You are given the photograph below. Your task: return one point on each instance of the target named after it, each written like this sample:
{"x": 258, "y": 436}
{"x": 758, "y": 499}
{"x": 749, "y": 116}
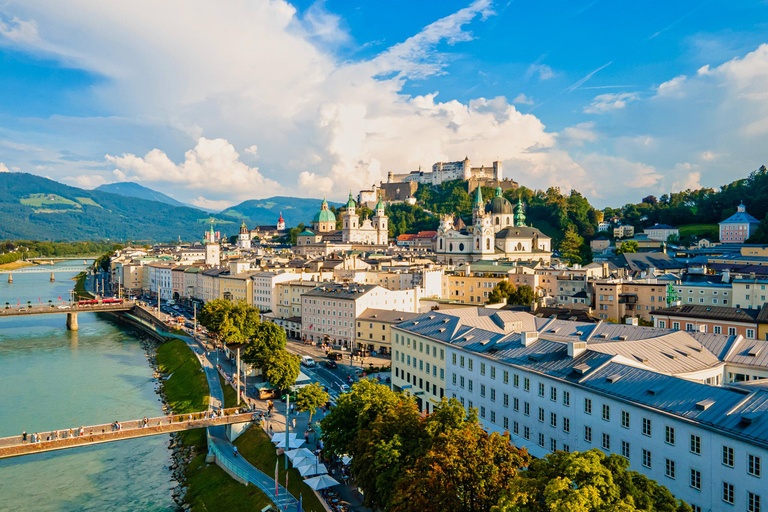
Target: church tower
{"x": 519, "y": 214}
{"x": 350, "y": 222}
{"x": 280, "y": 223}
{"x": 483, "y": 236}
{"x": 380, "y": 224}
{"x": 478, "y": 208}
{"x": 244, "y": 238}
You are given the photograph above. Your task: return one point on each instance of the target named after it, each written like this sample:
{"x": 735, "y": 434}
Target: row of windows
{"x": 412, "y": 361}
{"x": 423, "y": 347}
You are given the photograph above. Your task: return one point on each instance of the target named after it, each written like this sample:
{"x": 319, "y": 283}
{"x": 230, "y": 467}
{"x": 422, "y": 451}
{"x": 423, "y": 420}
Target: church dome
{"x": 324, "y": 215}
{"x": 499, "y": 205}
{"x": 351, "y": 203}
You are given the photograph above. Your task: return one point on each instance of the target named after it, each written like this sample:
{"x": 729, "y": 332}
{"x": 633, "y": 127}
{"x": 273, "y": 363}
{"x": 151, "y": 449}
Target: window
{"x": 515, "y": 428}
{"x": 482, "y": 389}
{"x": 731, "y": 331}
{"x": 588, "y": 434}
{"x": 669, "y": 468}
{"x": 506, "y": 423}
{"x": 526, "y": 384}
{"x": 506, "y": 400}
{"x": 625, "y": 419}
{"x": 728, "y": 456}
{"x": 493, "y": 416}
{"x": 553, "y": 420}
{"x": 646, "y": 427}
{"x": 566, "y": 398}
{"x": 553, "y": 394}
{"x": 695, "y": 444}
{"x": 493, "y": 395}
{"x": 506, "y": 377}
{"x": 717, "y": 329}
{"x": 469, "y": 384}
{"x": 566, "y": 447}
{"x": 461, "y": 361}
{"x": 541, "y": 389}
{"x": 454, "y": 359}
{"x": 695, "y": 508}
{"x": 526, "y": 408}
{"x": 470, "y": 363}
{"x": 753, "y": 465}
{"x": 588, "y": 405}
{"x": 750, "y": 333}
{"x": 526, "y": 432}
{"x": 646, "y": 458}
{"x": 669, "y": 435}
{"x": 493, "y": 372}
{"x": 696, "y": 479}
{"x": 606, "y": 412}
{"x": 482, "y": 411}
{"x": 625, "y": 449}
{"x": 516, "y": 380}
{"x": 753, "y": 502}
{"x": 541, "y": 440}
{"x": 728, "y": 493}
{"x": 516, "y": 404}
{"x": 606, "y": 442}
{"x": 482, "y": 368}
{"x": 552, "y": 444}
{"x": 541, "y": 414}
{"x": 566, "y": 425}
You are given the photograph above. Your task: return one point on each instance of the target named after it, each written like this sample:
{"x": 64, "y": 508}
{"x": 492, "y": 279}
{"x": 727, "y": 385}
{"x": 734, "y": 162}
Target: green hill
{"x": 267, "y": 211}
{"x": 33, "y": 207}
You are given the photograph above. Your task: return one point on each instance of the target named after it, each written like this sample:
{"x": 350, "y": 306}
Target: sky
{"x": 216, "y": 102}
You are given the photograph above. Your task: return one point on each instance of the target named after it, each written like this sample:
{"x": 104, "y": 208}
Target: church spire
{"x": 479, "y": 197}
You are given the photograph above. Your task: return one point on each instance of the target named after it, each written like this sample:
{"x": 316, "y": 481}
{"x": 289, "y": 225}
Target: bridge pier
{"x": 10, "y": 278}
{"x": 52, "y": 278}
{"x": 72, "y": 321}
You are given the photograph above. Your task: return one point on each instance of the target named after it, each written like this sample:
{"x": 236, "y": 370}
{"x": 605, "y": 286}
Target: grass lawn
{"x": 255, "y": 447}
{"x": 47, "y": 199}
{"x": 710, "y": 231}
{"x": 230, "y": 396}
{"x": 80, "y": 292}
{"x": 187, "y": 388}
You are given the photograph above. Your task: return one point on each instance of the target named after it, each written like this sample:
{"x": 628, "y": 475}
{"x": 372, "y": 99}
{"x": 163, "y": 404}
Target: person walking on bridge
{"x": 24, "y": 437}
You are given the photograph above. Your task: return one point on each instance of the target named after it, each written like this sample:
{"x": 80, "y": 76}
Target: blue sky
{"x": 217, "y": 102}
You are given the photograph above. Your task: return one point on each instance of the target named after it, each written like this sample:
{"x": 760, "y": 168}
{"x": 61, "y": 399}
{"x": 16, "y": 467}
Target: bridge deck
{"x": 15, "y": 446}
{"x": 58, "y": 309}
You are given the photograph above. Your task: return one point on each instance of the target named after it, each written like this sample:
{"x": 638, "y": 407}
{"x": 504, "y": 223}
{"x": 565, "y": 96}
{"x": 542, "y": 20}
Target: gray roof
{"x": 340, "y": 291}
{"x": 520, "y": 232}
{"x": 645, "y": 260}
{"x": 740, "y": 218}
{"x": 387, "y": 316}
{"x": 710, "y": 313}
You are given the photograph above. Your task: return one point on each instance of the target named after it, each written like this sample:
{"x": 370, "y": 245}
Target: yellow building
{"x": 617, "y": 299}
{"x": 236, "y": 287}
{"x": 288, "y": 297}
{"x": 373, "y": 329}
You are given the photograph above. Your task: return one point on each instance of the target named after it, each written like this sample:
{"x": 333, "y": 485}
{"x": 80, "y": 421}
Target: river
{"x": 54, "y": 378}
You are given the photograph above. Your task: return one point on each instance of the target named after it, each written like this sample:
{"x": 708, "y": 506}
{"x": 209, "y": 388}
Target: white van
{"x": 307, "y": 361}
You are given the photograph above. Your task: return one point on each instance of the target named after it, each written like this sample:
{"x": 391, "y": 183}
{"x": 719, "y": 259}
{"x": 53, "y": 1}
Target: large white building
{"x": 498, "y": 231}
{"x": 264, "y": 296}
{"x": 448, "y": 171}
{"x": 654, "y": 396}
{"x": 373, "y": 231}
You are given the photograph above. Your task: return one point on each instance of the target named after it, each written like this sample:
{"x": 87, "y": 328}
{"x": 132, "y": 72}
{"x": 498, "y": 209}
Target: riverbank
{"x": 80, "y": 291}
{"x": 202, "y": 486}
{"x": 14, "y": 265}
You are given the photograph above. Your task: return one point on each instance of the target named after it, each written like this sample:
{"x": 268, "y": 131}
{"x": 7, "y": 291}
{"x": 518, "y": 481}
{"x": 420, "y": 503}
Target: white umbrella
{"x": 303, "y": 461}
{"x": 295, "y": 443}
{"x": 280, "y": 436}
{"x": 320, "y": 482}
{"x": 301, "y": 452}
{"x": 317, "y": 468}
{"x": 346, "y": 459}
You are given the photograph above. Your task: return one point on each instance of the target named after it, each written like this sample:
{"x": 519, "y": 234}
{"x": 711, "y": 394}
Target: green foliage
{"x": 407, "y": 218}
{"x": 630, "y": 246}
{"x": 523, "y": 296}
{"x": 280, "y": 368}
{"x": 233, "y": 323}
{"x": 501, "y": 292}
{"x": 266, "y": 339}
{"x": 293, "y": 234}
{"x": 10, "y": 257}
{"x": 310, "y": 398}
{"x": 585, "y": 482}
{"x": 571, "y": 246}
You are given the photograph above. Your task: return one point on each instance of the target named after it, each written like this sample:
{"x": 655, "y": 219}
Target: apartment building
{"x": 236, "y": 287}
{"x": 560, "y": 385}
{"x": 160, "y": 280}
{"x": 704, "y": 291}
{"x": 374, "y": 329}
{"x": 263, "y": 288}
{"x": 615, "y": 298}
{"x": 471, "y": 283}
{"x": 714, "y": 319}
{"x": 329, "y": 311}
{"x": 749, "y": 292}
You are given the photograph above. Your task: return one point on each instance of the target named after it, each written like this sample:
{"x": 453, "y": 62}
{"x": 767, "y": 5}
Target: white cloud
{"x": 579, "y": 134}
{"x": 86, "y": 180}
{"x": 523, "y": 99}
{"x": 210, "y": 204}
{"x": 606, "y": 102}
{"x": 212, "y": 165}
{"x": 252, "y": 150}
{"x": 542, "y": 70}
{"x": 691, "y": 180}
{"x": 3, "y": 167}
{"x": 672, "y": 88}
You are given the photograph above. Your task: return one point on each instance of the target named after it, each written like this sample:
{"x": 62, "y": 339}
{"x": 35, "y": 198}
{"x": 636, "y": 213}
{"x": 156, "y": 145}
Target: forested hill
{"x": 33, "y": 207}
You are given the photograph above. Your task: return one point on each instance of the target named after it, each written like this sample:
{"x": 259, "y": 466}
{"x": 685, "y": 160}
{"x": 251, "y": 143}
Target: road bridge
{"x": 16, "y": 446}
{"x": 37, "y": 269}
{"x": 70, "y": 311}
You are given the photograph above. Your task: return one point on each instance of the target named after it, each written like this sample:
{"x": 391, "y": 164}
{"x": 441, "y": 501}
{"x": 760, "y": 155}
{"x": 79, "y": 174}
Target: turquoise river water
{"x": 54, "y": 378}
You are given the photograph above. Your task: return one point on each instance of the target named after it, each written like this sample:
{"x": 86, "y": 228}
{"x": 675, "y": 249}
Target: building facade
{"x": 738, "y": 227}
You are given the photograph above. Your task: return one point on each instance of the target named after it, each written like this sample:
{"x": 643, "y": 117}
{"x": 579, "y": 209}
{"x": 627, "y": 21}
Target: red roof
{"x": 426, "y": 234}
{"x": 405, "y": 238}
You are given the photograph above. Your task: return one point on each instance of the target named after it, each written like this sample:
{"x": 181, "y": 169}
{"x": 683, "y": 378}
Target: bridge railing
{"x": 75, "y": 432}
{"x": 55, "y": 307}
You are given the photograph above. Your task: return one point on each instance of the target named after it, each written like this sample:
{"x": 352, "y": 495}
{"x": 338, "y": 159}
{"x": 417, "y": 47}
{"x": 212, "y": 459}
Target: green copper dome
{"x": 519, "y": 214}
{"x": 379, "y": 205}
{"x": 499, "y": 192}
{"x": 324, "y": 215}
{"x": 351, "y": 203}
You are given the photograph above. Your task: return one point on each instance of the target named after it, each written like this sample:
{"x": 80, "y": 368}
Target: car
{"x": 307, "y": 361}
{"x": 63, "y": 307}
{"x": 331, "y": 365}
{"x": 343, "y": 388}
{"x": 334, "y": 356}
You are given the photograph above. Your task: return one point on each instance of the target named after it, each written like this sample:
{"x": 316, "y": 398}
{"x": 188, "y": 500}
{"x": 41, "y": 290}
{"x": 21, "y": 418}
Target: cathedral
{"x": 498, "y": 231}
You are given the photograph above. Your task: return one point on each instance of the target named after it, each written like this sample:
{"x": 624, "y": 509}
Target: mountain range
{"x": 37, "y": 208}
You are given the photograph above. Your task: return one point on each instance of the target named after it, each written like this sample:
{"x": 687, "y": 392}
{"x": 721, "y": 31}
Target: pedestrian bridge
{"x": 38, "y": 269}
{"x": 16, "y": 446}
{"x": 52, "y": 309}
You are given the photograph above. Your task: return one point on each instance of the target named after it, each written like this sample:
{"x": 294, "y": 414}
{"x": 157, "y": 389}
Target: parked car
{"x": 307, "y": 361}
{"x": 334, "y": 356}
{"x": 343, "y": 388}
{"x": 331, "y": 365}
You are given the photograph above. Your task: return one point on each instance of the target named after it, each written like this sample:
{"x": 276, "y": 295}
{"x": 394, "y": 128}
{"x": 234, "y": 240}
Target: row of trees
{"x": 446, "y": 462}
{"x": 263, "y": 342}
{"x": 37, "y": 248}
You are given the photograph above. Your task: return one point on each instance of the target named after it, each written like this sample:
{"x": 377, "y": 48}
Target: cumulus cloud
{"x": 3, "y": 167}
{"x": 212, "y": 165}
{"x": 522, "y": 99}
{"x": 672, "y": 88}
{"x": 579, "y": 134}
{"x": 86, "y": 180}
{"x": 209, "y": 204}
{"x": 606, "y": 102}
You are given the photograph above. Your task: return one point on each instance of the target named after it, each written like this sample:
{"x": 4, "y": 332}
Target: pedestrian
{"x": 70, "y": 433}
{"x": 24, "y": 437}
{"x": 293, "y": 409}
{"x": 235, "y": 450}
{"x": 294, "y": 423}
{"x": 271, "y": 431}
{"x": 306, "y": 436}
{"x": 82, "y": 429}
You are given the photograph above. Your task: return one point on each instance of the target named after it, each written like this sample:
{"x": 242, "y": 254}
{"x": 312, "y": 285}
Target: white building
{"x": 373, "y": 231}
{"x": 644, "y": 393}
{"x": 264, "y": 296}
{"x": 661, "y": 232}
{"x": 160, "y": 281}
{"x": 328, "y": 312}
{"x": 244, "y": 238}
{"x": 449, "y": 171}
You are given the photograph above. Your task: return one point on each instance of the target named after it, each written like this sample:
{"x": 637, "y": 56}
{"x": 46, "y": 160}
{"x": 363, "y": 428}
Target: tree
{"x": 570, "y": 246}
{"x": 523, "y": 296}
{"x": 281, "y": 369}
{"x": 465, "y": 470}
{"x": 265, "y": 339}
{"x": 214, "y": 314}
{"x": 354, "y": 411}
{"x": 630, "y": 246}
{"x": 501, "y": 292}
{"x": 310, "y": 398}
{"x": 585, "y": 482}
